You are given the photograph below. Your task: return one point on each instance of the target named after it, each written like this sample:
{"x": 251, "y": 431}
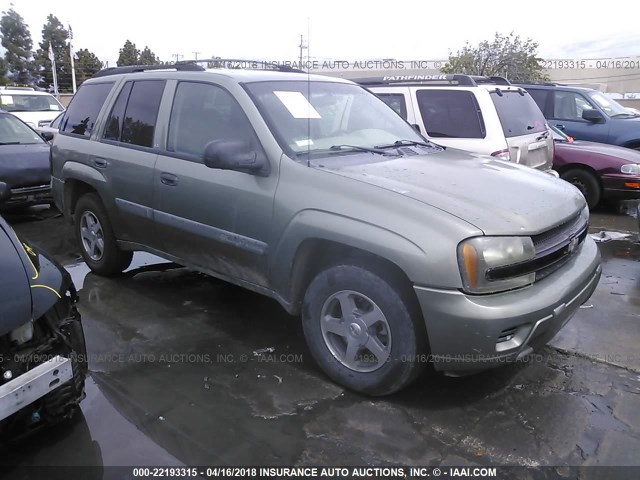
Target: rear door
{"x": 525, "y": 128}
{"x": 216, "y": 220}
{"x": 126, "y": 156}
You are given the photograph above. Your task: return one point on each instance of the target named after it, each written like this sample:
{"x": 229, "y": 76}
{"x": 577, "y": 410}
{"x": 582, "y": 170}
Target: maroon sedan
{"x": 598, "y": 170}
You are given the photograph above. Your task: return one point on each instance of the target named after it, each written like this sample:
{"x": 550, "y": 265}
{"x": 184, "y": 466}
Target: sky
{"x": 349, "y": 30}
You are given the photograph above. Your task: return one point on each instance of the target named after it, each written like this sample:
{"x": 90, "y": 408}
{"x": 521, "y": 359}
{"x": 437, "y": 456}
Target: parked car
{"x": 396, "y": 252}
{"x": 43, "y": 361}
{"x": 587, "y": 114}
{"x": 36, "y": 109}
{"x": 598, "y": 170}
{"x": 25, "y": 177}
{"x": 50, "y": 131}
{"x": 484, "y": 115}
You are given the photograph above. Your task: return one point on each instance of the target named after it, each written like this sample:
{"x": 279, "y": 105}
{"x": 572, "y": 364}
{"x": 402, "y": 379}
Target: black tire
{"x": 112, "y": 260}
{"x": 407, "y": 342}
{"x": 586, "y": 182}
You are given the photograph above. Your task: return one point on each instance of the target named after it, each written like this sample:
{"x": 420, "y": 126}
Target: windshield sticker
{"x": 297, "y": 105}
{"x": 304, "y": 143}
{"x": 7, "y": 100}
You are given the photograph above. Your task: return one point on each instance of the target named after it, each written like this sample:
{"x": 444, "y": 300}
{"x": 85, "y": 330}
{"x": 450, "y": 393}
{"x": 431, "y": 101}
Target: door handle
{"x": 100, "y": 162}
{"x": 560, "y": 126}
{"x": 169, "y": 179}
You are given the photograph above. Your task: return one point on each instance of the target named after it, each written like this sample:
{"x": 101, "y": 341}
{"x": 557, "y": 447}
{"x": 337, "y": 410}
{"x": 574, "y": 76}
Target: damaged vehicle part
{"x": 43, "y": 361}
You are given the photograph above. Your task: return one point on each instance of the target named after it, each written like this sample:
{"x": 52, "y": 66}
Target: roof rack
{"x": 439, "y": 79}
{"x": 181, "y": 66}
{"x": 243, "y": 64}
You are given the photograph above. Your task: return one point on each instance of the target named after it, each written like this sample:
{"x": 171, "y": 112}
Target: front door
{"x": 217, "y": 220}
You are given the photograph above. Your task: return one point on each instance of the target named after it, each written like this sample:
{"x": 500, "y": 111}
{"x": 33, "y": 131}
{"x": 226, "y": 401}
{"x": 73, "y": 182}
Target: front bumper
{"x": 27, "y": 196}
{"x": 621, "y": 187}
{"x": 474, "y": 332}
{"x": 33, "y": 385}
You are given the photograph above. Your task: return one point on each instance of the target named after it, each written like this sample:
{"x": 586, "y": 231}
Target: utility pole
{"x": 195, "y": 54}
{"x": 178, "y": 56}
{"x": 302, "y": 47}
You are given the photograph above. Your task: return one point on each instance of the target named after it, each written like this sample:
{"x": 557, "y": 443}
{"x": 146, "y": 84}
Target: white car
{"x": 52, "y": 127}
{"x": 36, "y": 109}
{"x": 485, "y": 115}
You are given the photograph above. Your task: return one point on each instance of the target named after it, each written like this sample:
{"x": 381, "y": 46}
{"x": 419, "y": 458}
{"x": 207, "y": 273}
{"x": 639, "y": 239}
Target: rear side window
{"x": 395, "y": 101}
{"x": 450, "y": 114}
{"x": 133, "y": 117}
{"x": 541, "y": 97}
{"x": 519, "y": 114}
{"x": 81, "y": 116}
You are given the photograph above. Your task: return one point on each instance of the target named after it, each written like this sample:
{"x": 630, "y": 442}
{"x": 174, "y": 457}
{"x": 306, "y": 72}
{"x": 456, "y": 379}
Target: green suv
{"x": 395, "y": 252}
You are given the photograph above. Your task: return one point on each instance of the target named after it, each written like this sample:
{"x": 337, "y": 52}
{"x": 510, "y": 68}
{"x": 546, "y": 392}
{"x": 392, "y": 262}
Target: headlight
{"x": 631, "y": 169}
{"x": 478, "y": 256}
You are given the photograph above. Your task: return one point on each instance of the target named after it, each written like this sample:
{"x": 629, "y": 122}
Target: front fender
{"x": 320, "y": 225}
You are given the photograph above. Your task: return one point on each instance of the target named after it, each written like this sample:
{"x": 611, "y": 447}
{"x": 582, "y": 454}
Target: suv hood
{"x": 499, "y": 198}
{"x": 32, "y": 118}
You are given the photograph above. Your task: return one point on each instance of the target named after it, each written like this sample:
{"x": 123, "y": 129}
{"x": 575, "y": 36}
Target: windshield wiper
{"x": 403, "y": 143}
{"x": 624, "y": 115}
{"x": 9, "y": 143}
{"x": 336, "y": 148}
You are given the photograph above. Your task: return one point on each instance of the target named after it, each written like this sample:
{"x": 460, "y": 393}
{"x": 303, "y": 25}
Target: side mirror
{"x": 592, "y": 115}
{"x": 48, "y": 136}
{"x": 5, "y": 192}
{"x": 237, "y": 155}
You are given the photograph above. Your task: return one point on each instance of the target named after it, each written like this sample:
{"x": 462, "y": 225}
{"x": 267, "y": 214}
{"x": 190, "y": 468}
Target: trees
{"x": 54, "y": 34}
{"x": 129, "y": 55}
{"x": 507, "y": 55}
{"x": 147, "y": 57}
{"x": 87, "y": 65}
{"x": 16, "y": 39}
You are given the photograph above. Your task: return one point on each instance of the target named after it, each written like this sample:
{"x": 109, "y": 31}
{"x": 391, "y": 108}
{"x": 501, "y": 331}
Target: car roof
{"x": 240, "y": 75}
{"x": 553, "y": 86}
{"x": 9, "y": 91}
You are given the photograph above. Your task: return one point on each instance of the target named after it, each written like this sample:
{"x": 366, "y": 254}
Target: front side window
{"x": 12, "y": 102}
{"x": 202, "y": 113}
{"x": 450, "y": 114}
{"x": 316, "y": 118}
{"x": 569, "y": 106}
{"x": 81, "y": 115}
{"x": 15, "y": 132}
{"x": 518, "y": 113}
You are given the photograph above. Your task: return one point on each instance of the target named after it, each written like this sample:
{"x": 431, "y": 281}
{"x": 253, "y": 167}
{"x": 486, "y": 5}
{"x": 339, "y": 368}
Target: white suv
{"x": 36, "y": 109}
{"x": 484, "y": 115}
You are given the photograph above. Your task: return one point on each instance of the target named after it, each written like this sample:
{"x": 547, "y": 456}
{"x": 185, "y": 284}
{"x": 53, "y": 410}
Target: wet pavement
{"x": 186, "y": 369}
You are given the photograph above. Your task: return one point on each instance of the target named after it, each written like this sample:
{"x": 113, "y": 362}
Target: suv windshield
{"x": 610, "y": 106}
{"x": 519, "y": 114}
{"x": 312, "y": 117}
{"x": 14, "y": 132}
{"x": 12, "y": 102}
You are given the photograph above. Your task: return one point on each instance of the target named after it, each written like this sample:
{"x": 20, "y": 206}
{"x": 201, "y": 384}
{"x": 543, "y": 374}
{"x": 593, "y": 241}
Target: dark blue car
{"x": 587, "y": 114}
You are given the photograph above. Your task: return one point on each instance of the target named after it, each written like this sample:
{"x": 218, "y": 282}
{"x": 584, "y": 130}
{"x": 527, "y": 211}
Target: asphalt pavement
{"x": 189, "y": 370}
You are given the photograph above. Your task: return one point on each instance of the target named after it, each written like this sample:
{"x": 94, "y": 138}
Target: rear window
{"x": 450, "y": 114}
{"x": 83, "y": 111}
{"x": 519, "y": 114}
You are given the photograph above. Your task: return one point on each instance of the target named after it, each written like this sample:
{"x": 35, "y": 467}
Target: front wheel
{"x": 586, "y": 182}
{"x": 96, "y": 239}
{"x": 363, "y": 330}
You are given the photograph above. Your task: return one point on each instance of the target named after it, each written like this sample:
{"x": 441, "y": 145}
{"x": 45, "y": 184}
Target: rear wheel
{"x": 96, "y": 239}
{"x": 363, "y": 330}
{"x": 586, "y": 182}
